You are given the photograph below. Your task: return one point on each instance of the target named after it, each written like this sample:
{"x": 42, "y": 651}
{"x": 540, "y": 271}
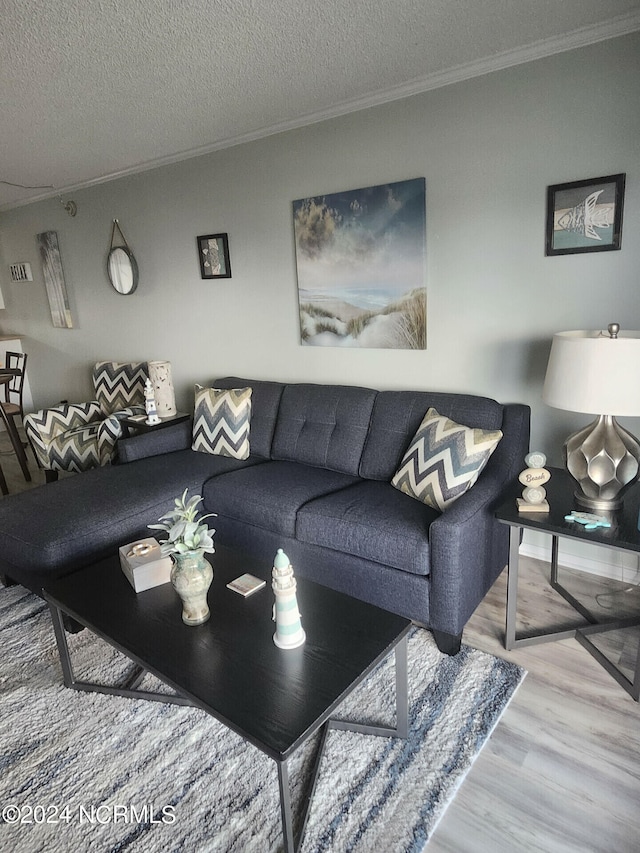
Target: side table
{"x": 139, "y": 423}
{"x": 623, "y": 535}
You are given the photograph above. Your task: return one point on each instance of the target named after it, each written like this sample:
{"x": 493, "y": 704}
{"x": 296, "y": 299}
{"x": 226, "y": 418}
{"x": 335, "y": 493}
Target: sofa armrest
{"x": 469, "y": 548}
{"x": 154, "y": 443}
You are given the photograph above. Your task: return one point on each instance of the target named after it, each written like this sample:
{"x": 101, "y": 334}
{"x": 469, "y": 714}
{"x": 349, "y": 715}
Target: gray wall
{"x": 488, "y": 149}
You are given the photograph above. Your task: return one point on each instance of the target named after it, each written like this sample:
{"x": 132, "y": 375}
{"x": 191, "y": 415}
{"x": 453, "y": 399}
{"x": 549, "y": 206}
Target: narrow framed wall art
{"x": 213, "y": 254}
{"x": 54, "y": 280}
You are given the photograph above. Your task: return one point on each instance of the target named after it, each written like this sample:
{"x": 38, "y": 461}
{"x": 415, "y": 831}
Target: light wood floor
{"x": 561, "y": 772}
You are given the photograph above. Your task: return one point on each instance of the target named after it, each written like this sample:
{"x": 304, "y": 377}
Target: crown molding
{"x": 582, "y": 37}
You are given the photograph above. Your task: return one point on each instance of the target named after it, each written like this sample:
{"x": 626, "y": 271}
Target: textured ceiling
{"x": 93, "y": 89}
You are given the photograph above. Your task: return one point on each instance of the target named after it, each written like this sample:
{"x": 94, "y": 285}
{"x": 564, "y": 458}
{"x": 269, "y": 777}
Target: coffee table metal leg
{"x": 285, "y": 808}
{"x": 128, "y": 688}
{"x": 63, "y": 647}
{"x": 401, "y": 730}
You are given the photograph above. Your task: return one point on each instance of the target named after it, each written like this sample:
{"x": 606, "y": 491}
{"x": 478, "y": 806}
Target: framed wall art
{"x": 585, "y": 216}
{"x": 360, "y": 258}
{"x": 213, "y": 254}
{"x": 54, "y": 280}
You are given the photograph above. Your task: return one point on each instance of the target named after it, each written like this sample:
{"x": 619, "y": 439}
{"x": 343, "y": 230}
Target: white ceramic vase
{"x": 191, "y": 576}
{"x": 160, "y": 376}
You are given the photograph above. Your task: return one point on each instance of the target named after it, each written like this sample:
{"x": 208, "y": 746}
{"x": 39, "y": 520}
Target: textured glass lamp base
{"x": 604, "y": 460}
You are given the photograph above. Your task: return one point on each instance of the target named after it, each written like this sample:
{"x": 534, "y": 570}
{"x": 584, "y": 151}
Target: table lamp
{"x": 598, "y": 373}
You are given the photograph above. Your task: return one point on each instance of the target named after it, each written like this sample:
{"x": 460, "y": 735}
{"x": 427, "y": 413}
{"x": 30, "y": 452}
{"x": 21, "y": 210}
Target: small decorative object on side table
{"x": 289, "y": 632}
{"x": 188, "y": 541}
{"x": 596, "y": 372}
{"x": 533, "y": 479}
{"x": 150, "y": 404}
{"x": 589, "y": 520}
{"x": 160, "y": 376}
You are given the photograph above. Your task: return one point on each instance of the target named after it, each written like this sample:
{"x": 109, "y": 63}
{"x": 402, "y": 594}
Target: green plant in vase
{"x": 188, "y": 540}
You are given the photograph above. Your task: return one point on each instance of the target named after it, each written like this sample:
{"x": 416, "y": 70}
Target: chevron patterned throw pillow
{"x": 221, "y": 421}
{"x": 443, "y": 460}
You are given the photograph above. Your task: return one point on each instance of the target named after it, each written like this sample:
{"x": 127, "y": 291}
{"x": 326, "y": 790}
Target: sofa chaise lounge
{"x": 316, "y": 483}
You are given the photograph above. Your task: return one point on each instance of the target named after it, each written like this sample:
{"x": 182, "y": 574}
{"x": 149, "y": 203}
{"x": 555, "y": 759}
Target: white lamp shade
{"x": 591, "y": 372}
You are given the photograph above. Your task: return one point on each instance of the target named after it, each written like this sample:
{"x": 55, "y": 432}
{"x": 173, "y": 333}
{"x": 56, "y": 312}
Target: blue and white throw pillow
{"x": 222, "y": 421}
{"x": 443, "y": 460}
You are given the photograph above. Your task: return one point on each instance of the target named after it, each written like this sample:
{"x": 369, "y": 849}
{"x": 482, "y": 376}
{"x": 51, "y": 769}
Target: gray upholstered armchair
{"x": 80, "y": 436}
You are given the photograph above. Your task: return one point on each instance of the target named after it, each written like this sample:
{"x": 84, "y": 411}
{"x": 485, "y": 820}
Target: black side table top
{"x": 139, "y": 422}
{"x": 560, "y": 489}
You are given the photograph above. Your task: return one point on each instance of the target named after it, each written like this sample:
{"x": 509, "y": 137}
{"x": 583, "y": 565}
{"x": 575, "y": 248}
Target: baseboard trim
{"x": 601, "y": 561}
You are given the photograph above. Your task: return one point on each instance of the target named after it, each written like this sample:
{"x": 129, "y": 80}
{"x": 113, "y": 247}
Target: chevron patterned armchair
{"x": 80, "y": 436}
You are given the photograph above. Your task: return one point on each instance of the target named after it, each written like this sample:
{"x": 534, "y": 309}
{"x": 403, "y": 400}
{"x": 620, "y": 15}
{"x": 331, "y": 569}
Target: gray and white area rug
{"x": 91, "y": 772}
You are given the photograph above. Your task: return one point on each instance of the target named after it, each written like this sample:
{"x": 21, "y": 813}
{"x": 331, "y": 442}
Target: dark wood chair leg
{"x": 16, "y": 443}
{"x": 3, "y": 483}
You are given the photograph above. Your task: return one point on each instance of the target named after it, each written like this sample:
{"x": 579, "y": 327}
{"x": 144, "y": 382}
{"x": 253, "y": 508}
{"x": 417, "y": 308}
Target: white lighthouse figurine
{"x": 289, "y": 633}
{"x": 150, "y": 404}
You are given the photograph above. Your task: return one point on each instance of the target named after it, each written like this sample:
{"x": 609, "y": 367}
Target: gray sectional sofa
{"x": 316, "y": 483}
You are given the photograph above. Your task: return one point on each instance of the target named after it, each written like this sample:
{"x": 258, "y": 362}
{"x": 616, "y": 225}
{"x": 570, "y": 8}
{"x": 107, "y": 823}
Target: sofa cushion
{"x": 102, "y": 508}
{"x": 222, "y": 421}
{"x": 265, "y": 401}
{"x": 119, "y": 385}
{"x": 271, "y": 494}
{"x": 444, "y": 460}
{"x": 323, "y": 425}
{"x": 371, "y": 520}
{"x": 398, "y": 414}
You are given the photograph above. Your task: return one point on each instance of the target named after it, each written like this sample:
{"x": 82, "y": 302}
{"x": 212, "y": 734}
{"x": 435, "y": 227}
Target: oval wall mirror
{"x": 122, "y": 270}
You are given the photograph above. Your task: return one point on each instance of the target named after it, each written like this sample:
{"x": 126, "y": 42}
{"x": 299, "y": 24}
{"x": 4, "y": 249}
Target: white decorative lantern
{"x": 160, "y": 376}
{"x": 289, "y": 633}
{"x": 150, "y": 404}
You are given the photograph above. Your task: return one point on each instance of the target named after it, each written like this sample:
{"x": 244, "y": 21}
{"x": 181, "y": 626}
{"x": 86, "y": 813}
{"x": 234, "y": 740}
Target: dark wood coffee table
{"x": 230, "y": 667}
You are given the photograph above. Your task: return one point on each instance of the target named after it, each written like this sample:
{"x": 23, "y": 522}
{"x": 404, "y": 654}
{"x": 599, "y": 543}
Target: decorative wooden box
{"x": 143, "y": 564}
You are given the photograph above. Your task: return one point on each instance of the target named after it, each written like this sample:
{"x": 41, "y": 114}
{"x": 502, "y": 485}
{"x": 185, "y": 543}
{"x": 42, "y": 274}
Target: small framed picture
{"x": 213, "y": 253}
{"x": 585, "y": 216}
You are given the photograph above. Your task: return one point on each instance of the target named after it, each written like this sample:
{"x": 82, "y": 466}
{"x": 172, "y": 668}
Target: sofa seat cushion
{"x": 371, "y": 520}
{"x": 62, "y": 526}
{"x": 271, "y": 494}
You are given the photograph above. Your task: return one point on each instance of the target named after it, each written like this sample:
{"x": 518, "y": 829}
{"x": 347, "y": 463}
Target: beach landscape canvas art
{"x": 360, "y": 257}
